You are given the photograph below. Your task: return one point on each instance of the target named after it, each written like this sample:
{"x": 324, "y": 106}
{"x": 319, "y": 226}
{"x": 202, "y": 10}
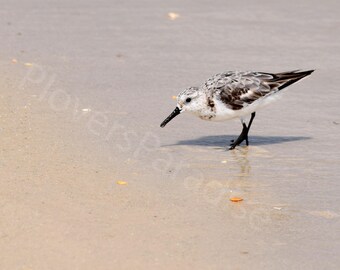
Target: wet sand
{"x": 84, "y": 88}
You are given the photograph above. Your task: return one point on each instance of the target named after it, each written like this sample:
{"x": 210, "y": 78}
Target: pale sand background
{"x": 60, "y": 205}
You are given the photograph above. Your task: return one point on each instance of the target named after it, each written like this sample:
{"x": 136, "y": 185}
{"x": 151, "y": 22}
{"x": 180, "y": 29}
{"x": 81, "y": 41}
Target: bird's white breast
{"x": 223, "y": 113}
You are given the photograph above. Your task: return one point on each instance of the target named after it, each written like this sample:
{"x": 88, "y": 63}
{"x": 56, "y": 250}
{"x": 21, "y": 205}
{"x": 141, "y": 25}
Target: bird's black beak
{"x": 176, "y": 112}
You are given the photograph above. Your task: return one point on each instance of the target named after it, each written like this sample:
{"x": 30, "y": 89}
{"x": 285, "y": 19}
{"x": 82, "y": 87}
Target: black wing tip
{"x": 306, "y": 72}
{"x": 296, "y": 72}
{"x": 291, "y": 77}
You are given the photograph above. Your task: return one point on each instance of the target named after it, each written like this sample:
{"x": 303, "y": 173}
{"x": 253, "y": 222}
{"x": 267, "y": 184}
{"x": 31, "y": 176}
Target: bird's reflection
{"x": 241, "y": 158}
{"x": 239, "y": 171}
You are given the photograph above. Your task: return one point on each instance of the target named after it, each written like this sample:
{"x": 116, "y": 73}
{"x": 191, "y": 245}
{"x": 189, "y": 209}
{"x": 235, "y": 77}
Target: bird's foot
{"x": 244, "y": 134}
{"x": 243, "y": 137}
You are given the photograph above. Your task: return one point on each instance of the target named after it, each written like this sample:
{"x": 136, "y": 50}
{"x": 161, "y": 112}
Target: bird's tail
{"x": 284, "y": 79}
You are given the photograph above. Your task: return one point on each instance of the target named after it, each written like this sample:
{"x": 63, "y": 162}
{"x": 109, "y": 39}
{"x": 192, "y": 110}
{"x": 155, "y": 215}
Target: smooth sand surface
{"x": 84, "y": 87}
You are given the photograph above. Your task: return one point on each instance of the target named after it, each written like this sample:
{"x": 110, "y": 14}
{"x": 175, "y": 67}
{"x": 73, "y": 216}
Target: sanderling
{"x": 234, "y": 94}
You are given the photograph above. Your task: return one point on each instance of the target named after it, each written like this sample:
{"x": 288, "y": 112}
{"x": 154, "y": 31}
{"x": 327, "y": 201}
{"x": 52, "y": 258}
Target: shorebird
{"x": 234, "y": 94}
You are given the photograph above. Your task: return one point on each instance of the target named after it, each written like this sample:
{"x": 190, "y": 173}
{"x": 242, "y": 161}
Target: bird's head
{"x": 190, "y": 100}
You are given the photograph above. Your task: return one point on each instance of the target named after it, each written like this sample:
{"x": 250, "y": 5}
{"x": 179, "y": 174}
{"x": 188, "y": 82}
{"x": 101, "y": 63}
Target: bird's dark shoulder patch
{"x": 231, "y": 98}
{"x": 211, "y": 104}
{"x": 242, "y": 91}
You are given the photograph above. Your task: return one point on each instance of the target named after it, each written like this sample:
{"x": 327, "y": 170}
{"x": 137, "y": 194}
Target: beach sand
{"x": 84, "y": 87}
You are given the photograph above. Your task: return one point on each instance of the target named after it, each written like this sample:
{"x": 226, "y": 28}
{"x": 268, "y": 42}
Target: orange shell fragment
{"x": 236, "y": 199}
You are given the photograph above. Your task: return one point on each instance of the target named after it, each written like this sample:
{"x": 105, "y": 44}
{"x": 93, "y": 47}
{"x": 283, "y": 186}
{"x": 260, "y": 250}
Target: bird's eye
{"x": 188, "y": 100}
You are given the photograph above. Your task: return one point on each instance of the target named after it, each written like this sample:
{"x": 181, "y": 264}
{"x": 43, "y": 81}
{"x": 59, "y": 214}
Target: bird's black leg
{"x": 249, "y": 125}
{"x": 244, "y": 134}
{"x": 251, "y": 120}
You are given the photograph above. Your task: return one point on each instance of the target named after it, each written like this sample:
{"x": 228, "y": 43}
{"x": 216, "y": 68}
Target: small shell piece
{"x": 121, "y": 182}
{"x": 173, "y": 16}
{"x": 236, "y": 199}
